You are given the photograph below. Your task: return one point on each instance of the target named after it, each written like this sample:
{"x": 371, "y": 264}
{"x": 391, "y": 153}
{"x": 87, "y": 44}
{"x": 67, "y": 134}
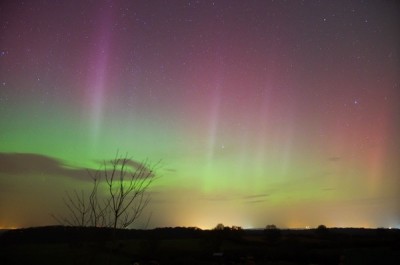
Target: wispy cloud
{"x": 256, "y": 198}
{"x": 249, "y": 197}
{"x": 255, "y": 201}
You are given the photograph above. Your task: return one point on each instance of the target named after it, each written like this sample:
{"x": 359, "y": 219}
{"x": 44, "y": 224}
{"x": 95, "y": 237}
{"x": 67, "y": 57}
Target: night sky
{"x": 261, "y": 112}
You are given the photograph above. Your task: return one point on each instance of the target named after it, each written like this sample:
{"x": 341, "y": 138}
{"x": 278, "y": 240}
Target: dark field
{"x": 68, "y": 245}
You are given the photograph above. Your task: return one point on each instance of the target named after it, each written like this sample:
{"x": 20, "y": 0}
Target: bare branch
{"x": 126, "y": 183}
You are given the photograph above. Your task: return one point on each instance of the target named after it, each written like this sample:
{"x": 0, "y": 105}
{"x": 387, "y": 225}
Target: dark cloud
{"x": 146, "y": 168}
{"x": 31, "y": 164}
{"x": 128, "y": 162}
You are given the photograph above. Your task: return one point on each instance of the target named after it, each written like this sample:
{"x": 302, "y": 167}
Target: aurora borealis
{"x": 262, "y": 112}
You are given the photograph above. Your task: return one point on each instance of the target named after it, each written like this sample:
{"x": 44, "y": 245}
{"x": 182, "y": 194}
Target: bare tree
{"x": 99, "y": 207}
{"x": 77, "y": 210}
{"x": 125, "y": 185}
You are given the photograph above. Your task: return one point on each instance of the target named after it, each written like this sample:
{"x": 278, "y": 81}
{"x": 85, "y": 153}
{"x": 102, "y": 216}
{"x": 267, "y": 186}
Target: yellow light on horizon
{"x": 8, "y": 227}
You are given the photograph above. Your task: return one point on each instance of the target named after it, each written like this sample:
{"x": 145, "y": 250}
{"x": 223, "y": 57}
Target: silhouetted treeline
{"x": 62, "y": 234}
{"x": 191, "y": 245}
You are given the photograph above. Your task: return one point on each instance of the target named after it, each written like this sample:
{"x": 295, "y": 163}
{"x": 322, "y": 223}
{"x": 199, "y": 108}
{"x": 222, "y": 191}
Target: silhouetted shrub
{"x": 272, "y": 233}
{"x": 322, "y": 230}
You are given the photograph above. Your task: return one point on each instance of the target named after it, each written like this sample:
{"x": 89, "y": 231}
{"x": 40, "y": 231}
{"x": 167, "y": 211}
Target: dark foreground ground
{"x": 69, "y": 245}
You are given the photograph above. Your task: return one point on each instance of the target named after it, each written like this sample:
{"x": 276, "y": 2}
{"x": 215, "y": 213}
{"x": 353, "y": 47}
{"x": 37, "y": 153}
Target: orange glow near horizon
{"x": 9, "y": 227}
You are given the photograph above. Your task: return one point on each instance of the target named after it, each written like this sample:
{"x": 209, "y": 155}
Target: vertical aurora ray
{"x": 98, "y": 71}
{"x": 212, "y": 129}
{"x": 96, "y": 94}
